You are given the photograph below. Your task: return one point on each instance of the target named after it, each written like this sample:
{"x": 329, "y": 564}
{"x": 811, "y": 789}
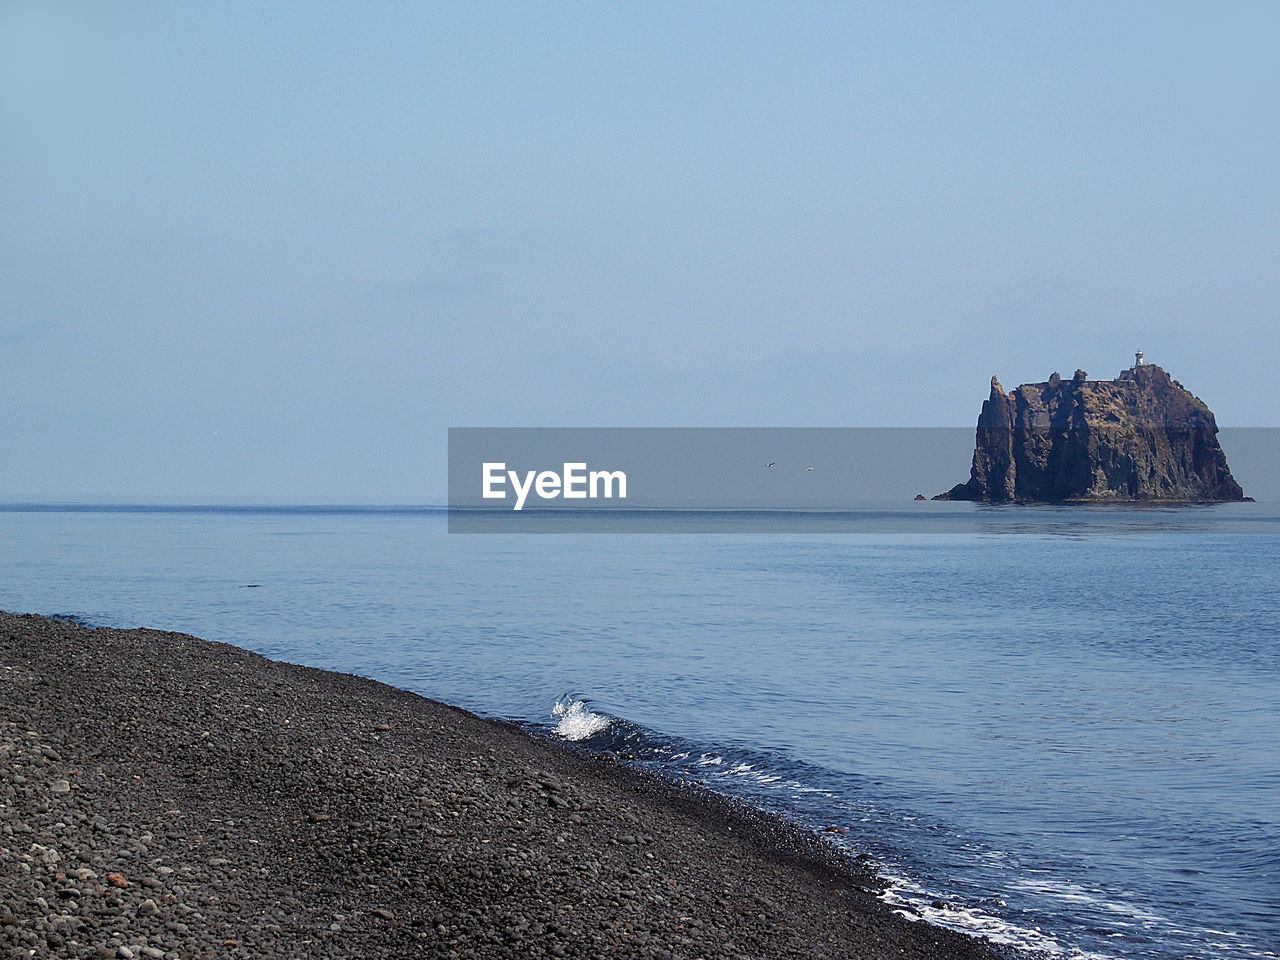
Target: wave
{"x": 575, "y": 719}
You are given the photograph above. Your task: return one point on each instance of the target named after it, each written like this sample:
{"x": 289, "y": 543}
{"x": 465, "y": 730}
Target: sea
{"x": 1056, "y": 727}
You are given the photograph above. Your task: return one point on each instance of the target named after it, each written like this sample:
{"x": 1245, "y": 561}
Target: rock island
{"x": 1142, "y": 437}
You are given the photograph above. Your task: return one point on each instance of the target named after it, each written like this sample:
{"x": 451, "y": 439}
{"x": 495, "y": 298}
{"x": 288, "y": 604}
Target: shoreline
{"x": 164, "y": 796}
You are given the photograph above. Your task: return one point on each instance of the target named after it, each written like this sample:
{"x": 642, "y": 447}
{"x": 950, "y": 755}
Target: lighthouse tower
{"x": 1138, "y": 361}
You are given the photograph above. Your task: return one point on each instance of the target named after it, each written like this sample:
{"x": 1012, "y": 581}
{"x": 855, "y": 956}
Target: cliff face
{"x": 1140, "y": 437}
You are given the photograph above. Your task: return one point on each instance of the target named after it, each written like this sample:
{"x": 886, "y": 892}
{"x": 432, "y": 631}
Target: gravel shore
{"x": 166, "y": 797}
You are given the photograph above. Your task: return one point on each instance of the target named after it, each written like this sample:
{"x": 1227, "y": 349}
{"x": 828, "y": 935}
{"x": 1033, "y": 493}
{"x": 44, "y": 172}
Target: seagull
{"x": 808, "y": 469}
{"x": 771, "y": 463}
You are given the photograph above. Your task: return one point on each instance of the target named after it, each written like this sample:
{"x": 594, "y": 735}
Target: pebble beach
{"x": 166, "y": 797}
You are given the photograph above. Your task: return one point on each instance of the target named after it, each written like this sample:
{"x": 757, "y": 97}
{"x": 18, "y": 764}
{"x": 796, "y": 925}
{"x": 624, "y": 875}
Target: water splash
{"x": 575, "y": 719}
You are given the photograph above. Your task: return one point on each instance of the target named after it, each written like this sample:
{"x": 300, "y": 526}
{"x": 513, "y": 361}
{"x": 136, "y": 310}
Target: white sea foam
{"x": 762, "y": 779}
{"x": 916, "y": 903}
{"x": 1074, "y": 894}
{"x": 576, "y": 719}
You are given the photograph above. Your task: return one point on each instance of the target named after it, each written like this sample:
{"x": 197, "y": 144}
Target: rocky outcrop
{"x": 1141, "y": 437}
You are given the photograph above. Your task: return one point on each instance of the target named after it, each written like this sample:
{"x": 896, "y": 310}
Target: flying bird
{"x": 808, "y": 469}
{"x": 771, "y": 463}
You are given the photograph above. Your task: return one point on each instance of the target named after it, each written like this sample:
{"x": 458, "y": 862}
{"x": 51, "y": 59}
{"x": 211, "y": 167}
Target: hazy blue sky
{"x": 272, "y": 251}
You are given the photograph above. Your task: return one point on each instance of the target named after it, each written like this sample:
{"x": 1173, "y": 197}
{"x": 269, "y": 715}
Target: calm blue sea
{"x": 1064, "y": 735}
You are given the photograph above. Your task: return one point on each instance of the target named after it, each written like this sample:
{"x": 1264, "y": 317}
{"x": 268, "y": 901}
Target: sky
{"x": 271, "y": 252}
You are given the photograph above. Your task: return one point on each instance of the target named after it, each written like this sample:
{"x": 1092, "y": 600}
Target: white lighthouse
{"x": 1138, "y": 361}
